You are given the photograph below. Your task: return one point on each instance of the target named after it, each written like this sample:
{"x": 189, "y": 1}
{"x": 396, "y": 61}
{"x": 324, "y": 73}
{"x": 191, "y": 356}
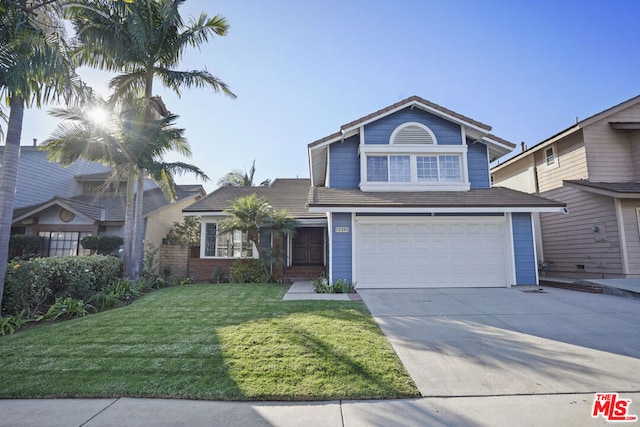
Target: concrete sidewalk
{"x": 550, "y": 410}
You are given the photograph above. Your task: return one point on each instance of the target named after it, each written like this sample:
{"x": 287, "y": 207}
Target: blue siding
{"x": 379, "y": 132}
{"x": 341, "y": 251}
{"x": 523, "y": 249}
{"x": 478, "y": 165}
{"x": 344, "y": 163}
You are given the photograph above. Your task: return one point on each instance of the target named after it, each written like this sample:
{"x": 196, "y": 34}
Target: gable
{"x": 420, "y": 123}
{"x": 444, "y": 131}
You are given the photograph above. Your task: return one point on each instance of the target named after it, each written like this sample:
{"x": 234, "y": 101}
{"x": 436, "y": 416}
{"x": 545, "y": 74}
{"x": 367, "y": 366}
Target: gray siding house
{"x": 594, "y": 167}
{"x": 64, "y": 204}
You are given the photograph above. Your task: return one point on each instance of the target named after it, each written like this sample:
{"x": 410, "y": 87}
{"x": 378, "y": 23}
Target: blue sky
{"x": 303, "y": 68}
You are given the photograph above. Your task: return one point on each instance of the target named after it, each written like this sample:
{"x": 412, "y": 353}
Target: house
{"x": 594, "y": 167}
{"x": 406, "y": 199}
{"x": 305, "y": 252}
{"x": 64, "y": 204}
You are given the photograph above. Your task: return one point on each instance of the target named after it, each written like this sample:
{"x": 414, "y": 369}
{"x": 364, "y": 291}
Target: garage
{"x": 431, "y": 252}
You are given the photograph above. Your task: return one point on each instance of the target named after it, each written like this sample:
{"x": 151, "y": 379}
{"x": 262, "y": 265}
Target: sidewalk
{"x": 533, "y": 410}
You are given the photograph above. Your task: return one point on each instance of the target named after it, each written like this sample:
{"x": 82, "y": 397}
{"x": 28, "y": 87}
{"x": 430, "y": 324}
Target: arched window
{"x": 413, "y": 133}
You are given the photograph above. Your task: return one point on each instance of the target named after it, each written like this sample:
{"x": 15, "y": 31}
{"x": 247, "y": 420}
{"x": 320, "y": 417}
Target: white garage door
{"x": 431, "y": 252}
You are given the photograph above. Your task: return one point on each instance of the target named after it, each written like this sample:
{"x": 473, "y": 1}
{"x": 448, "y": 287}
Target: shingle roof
{"x": 408, "y": 101}
{"x": 494, "y": 197}
{"x": 614, "y": 187}
{"x": 113, "y": 207}
{"x": 284, "y": 193}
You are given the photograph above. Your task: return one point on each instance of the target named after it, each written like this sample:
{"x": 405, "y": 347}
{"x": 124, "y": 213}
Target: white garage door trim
{"x": 431, "y": 252}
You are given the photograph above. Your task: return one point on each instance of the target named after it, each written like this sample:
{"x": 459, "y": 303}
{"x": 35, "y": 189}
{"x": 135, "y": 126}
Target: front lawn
{"x": 227, "y": 342}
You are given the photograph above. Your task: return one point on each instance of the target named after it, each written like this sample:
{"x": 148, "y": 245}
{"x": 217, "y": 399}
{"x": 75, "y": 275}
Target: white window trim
{"x": 416, "y": 124}
{"x": 553, "y": 164}
{"x": 203, "y": 237}
{"x": 414, "y": 150}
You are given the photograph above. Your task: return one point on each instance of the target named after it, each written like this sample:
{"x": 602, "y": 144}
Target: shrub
{"x": 247, "y": 271}
{"x": 30, "y": 285}
{"x": 103, "y": 244}
{"x": 341, "y": 286}
{"x": 26, "y": 287}
{"x": 217, "y": 275}
{"x": 24, "y": 246}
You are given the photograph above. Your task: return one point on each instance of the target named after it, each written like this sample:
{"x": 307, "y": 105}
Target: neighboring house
{"x": 305, "y": 253}
{"x": 594, "y": 167}
{"x": 406, "y": 198}
{"x": 64, "y": 204}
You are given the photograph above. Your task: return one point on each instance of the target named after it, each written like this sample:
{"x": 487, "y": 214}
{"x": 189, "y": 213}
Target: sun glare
{"x": 99, "y": 115}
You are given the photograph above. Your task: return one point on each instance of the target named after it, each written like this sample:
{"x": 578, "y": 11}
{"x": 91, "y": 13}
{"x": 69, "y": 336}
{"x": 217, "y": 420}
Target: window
{"x": 427, "y": 168}
{"x": 400, "y": 169}
{"x": 63, "y": 243}
{"x": 234, "y": 244}
{"x": 414, "y": 168}
{"x": 377, "y": 169}
{"x": 550, "y": 156}
{"x": 413, "y": 161}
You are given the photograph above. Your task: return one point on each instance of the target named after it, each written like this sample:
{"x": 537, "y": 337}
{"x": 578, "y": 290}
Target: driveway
{"x": 501, "y": 342}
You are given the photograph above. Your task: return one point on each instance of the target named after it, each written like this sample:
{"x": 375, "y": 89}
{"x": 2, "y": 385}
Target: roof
{"x": 284, "y": 193}
{"x": 497, "y": 197}
{"x": 578, "y": 126}
{"x": 404, "y": 103}
{"x": 622, "y": 190}
{"x": 106, "y": 208}
{"x": 474, "y": 129}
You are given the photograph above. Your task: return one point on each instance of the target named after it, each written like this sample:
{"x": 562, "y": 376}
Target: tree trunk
{"x": 137, "y": 248}
{"x": 8, "y": 180}
{"x": 128, "y": 229}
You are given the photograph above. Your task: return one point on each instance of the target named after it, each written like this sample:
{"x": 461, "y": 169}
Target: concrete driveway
{"x": 505, "y": 342}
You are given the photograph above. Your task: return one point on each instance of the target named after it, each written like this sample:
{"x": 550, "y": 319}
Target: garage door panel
{"x": 431, "y": 253}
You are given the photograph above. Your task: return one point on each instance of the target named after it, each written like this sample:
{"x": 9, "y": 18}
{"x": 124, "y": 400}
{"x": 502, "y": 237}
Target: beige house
{"x": 594, "y": 167}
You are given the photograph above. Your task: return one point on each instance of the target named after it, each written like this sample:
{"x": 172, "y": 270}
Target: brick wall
{"x": 174, "y": 257}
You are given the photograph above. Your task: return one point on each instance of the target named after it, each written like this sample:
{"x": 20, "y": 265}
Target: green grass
{"x": 226, "y": 342}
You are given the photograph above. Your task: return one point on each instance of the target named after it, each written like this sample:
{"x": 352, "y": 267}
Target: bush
{"x": 24, "y": 245}
{"x": 247, "y": 271}
{"x": 341, "y": 286}
{"x": 30, "y": 285}
{"x": 103, "y": 244}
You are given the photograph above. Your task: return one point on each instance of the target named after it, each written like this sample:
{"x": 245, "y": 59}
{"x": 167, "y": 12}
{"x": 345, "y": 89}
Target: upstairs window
{"x": 550, "y": 157}
{"x": 413, "y": 161}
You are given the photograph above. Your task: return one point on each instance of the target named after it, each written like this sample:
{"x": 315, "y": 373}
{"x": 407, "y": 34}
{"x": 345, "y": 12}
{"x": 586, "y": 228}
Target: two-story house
{"x": 405, "y": 199}
{"x": 594, "y": 167}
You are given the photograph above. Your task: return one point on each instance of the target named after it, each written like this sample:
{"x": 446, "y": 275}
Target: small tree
{"x": 250, "y": 213}
{"x": 185, "y": 233}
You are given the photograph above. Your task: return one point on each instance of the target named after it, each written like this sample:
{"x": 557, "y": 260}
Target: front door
{"x": 308, "y": 246}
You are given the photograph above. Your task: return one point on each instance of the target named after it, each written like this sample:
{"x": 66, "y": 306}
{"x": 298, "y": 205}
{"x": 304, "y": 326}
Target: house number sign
{"x": 342, "y": 229}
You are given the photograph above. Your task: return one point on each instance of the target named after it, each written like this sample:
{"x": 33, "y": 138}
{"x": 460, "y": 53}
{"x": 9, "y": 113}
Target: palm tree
{"x": 129, "y": 142}
{"x": 34, "y": 69}
{"x": 281, "y": 224}
{"x": 251, "y": 213}
{"x": 143, "y": 40}
{"x": 237, "y": 178}
{"x": 247, "y": 214}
